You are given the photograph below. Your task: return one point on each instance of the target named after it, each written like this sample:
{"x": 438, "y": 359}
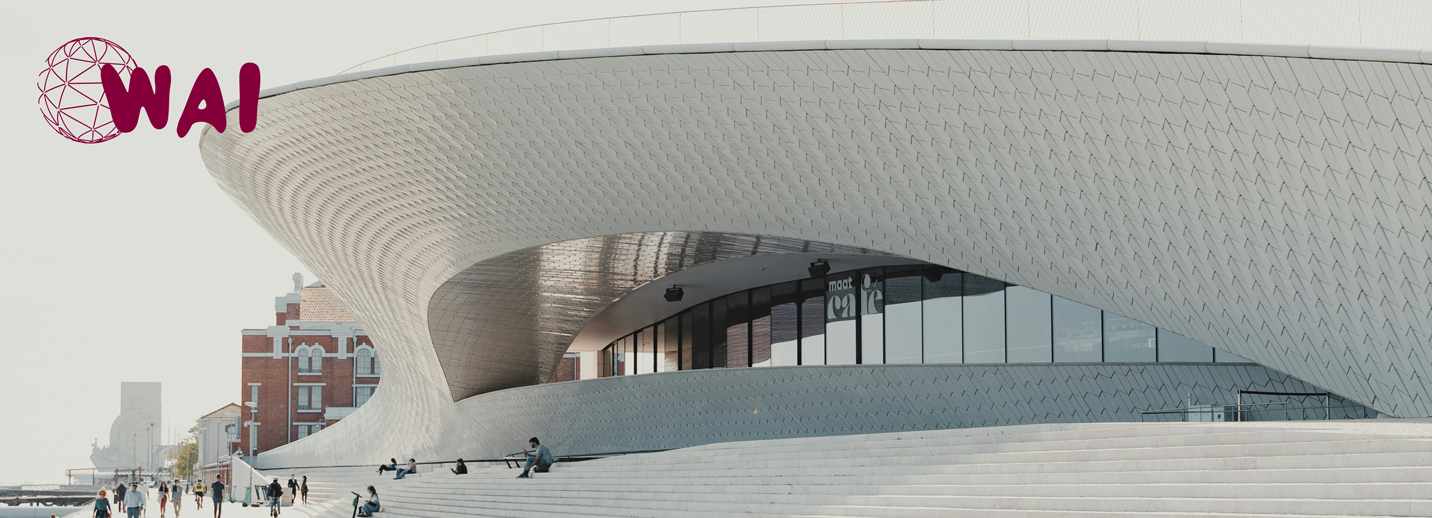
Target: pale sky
{"x": 123, "y": 261}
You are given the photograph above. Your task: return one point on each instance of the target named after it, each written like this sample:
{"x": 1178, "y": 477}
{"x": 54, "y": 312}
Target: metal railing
{"x": 1242, "y": 410}
{"x": 941, "y": 19}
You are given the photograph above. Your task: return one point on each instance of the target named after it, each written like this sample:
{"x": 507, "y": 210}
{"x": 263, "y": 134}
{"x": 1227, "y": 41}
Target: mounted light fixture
{"x": 674, "y": 294}
{"x": 819, "y": 268}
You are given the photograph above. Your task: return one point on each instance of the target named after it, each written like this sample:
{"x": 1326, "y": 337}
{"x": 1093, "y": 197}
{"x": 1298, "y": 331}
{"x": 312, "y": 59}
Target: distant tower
{"x": 297, "y": 282}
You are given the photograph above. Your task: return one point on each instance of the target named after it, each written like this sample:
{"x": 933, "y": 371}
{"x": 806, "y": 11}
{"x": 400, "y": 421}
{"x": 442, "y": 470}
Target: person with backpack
{"x": 275, "y": 496}
{"x": 176, "y": 494}
{"x": 199, "y": 494}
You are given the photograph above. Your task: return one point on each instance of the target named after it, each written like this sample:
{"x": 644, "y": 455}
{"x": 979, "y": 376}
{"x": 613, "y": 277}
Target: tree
{"x": 182, "y": 459}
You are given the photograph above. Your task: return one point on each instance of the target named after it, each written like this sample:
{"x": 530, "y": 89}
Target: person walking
{"x": 133, "y": 501}
{"x": 216, "y": 491}
{"x": 143, "y": 497}
{"x": 176, "y": 495}
{"x": 275, "y": 496}
{"x": 101, "y": 506}
{"x": 303, "y": 488}
{"x": 119, "y": 496}
{"x": 292, "y": 489}
{"x": 163, "y": 497}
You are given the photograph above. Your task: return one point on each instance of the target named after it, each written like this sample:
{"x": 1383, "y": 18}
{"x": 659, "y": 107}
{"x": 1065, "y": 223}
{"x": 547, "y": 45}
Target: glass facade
{"x": 892, "y": 315}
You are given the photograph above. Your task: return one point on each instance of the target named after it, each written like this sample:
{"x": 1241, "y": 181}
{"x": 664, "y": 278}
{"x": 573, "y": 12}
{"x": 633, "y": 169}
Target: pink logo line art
{"x": 72, "y": 98}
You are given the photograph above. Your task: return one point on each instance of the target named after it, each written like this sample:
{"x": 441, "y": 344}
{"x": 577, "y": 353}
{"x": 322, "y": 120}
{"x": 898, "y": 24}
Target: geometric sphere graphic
{"x": 71, "y": 96}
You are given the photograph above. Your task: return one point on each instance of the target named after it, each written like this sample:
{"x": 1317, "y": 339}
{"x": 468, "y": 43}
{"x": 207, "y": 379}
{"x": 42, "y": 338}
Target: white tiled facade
{"x": 1273, "y": 207}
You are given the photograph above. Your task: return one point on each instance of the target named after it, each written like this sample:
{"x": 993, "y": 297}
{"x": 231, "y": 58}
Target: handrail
{"x": 1074, "y": 21}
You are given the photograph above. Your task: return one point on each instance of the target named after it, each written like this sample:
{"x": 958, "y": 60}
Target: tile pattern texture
{"x": 1273, "y": 207}
{"x": 493, "y": 302}
{"x": 690, "y": 408}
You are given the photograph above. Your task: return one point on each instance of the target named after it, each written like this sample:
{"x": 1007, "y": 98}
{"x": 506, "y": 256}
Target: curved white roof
{"x": 1274, "y": 207}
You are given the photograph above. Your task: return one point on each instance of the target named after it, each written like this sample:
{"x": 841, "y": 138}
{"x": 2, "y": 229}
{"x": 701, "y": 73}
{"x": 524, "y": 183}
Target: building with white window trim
{"x": 313, "y": 367}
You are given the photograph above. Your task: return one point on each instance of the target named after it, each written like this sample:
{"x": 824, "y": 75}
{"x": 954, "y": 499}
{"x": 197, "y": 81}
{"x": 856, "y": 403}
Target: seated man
{"x": 539, "y": 455}
{"x": 412, "y": 468}
{"x": 461, "y": 468}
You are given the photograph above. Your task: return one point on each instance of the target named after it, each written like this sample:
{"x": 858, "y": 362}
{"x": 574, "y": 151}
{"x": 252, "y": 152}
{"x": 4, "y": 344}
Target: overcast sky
{"x": 123, "y": 261}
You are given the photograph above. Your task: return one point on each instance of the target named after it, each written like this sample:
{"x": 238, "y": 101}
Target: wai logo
{"x": 84, "y": 98}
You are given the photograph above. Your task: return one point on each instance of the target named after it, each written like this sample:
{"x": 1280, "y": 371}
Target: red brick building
{"x": 311, "y": 368}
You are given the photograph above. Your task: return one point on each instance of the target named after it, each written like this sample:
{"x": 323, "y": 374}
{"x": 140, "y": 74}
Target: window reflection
{"x": 783, "y": 324}
{"x": 891, "y": 315}
{"x": 872, "y": 316}
{"x": 760, "y": 327}
{"x": 1078, "y": 332}
{"x": 1174, "y": 347}
{"x": 738, "y": 330}
{"x": 812, "y": 322}
{"x": 943, "y": 334}
{"x": 1128, "y": 340}
{"x": 902, "y": 315}
{"x": 841, "y": 315}
{"x": 984, "y": 319}
{"x": 1030, "y": 325}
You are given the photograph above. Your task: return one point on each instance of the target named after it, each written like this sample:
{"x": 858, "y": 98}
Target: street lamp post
{"x": 253, "y": 427}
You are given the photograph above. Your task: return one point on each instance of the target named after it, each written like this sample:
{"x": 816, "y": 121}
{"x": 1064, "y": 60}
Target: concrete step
{"x": 905, "y": 505}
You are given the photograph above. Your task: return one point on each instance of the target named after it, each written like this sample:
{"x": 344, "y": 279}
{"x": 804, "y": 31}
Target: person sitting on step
{"x": 412, "y": 468}
{"x": 391, "y": 466}
{"x": 371, "y": 506}
{"x": 461, "y": 468}
{"x": 539, "y": 455}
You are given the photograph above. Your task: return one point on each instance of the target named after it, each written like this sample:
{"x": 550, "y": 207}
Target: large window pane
{"x": 1030, "y": 325}
{"x": 701, "y": 336}
{"x": 604, "y": 362}
{"x": 684, "y": 350}
{"x": 738, "y": 323}
{"x": 984, "y": 319}
{"x": 1127, "y": 340}
{"x": 1078, "y": 332}
{"x": 784, "y": 339}
{"x": 628, "y": 357}
{"x": 718, "y": 334}
{"x": 666, "y": 331}
{"x": 841, "y": 312}
{"x": 645, "y": 351}
{"x": 813, "y": 322}
{"x": 902, "y": 315}
{"x": 1174, "y": 347}
{"x": 872, "y": 316}
{"x": 944, "y": 334}
{"x": 761, "y": 327}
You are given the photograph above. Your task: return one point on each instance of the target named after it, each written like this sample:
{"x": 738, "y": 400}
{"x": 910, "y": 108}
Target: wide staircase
{"x": 1343, "y": 468}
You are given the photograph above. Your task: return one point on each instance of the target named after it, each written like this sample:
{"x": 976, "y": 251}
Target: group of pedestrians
{"x": 296, "y": 489}
{"x": 134, "y": 498}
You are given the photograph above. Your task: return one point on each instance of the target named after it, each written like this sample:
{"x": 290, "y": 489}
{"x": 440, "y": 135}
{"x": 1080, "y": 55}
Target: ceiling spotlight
{"x": 819, "y": 268}
{"x": 674, "y": 294}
